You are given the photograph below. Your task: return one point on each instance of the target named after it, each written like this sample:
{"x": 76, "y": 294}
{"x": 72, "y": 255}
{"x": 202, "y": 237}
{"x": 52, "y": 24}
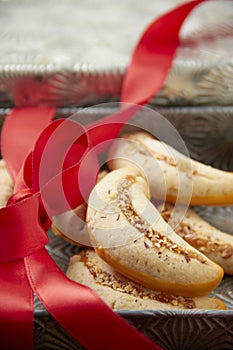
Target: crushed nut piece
{"x": 227, "y": 252}
{"x": 131, "y": 288}
{"x": 191, "y": 235}
{"x": 158, "y": 239}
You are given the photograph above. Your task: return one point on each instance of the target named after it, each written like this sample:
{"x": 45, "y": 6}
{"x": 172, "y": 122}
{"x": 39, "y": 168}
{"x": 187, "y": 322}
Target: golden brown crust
{"x": 183, "y": 289}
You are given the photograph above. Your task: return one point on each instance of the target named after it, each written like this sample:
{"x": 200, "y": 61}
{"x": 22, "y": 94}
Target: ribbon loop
{"x": 21, "y": 233}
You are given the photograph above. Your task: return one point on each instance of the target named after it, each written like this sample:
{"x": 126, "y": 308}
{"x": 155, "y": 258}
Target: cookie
{"x": 215, "y": 244}
{"x": 121, "y": 293}
{"x": 172, "y": 176}
{"x": 128, "y": 232}
{"x": 71, "y": 226}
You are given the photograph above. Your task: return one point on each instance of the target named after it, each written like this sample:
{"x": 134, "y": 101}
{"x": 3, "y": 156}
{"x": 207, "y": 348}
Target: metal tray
{"x": 188, "y": 329}
{"x": 73, "y": 53}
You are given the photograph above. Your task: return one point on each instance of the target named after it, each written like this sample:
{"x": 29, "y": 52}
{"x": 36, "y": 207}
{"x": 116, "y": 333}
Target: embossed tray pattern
{"x": 79, "y": 55}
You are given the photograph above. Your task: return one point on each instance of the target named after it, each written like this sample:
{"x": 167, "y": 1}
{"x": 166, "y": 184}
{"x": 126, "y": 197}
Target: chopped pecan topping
{"x": 126, "y": 286}
{"x": 226, "y": 251}
{"x": 157, "y": 239}
{"x": 193, "y": 236}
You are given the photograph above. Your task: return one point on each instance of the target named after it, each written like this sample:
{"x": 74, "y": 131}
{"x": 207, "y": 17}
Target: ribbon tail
{"x": 79, "y": 310}
{"x": 16, "y": 307}
{"x": 153, "y": 55}
{"x": 20, "y": 131}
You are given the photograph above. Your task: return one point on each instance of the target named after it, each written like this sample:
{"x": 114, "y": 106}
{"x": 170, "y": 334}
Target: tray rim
{"x": 30, "y": 69}
{"x": 197, "y": 313}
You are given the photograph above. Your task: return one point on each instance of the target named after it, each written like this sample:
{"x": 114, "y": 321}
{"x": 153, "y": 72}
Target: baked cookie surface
{"x": 121, "y": 293}
{"x": 129, "y": 233}
{"x": 172, "y": 176}
{"x": 215, "y": 244}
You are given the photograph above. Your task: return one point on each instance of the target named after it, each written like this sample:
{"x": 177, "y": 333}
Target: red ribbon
{"x": 45, "y": 168}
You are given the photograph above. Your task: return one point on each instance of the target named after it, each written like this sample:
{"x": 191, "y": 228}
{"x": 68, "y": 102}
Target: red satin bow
{"x": 44, "y": 184}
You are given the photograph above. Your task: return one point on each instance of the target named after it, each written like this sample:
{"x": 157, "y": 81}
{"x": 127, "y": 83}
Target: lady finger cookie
{"x": 171, "y": 175}
{"x": 128, "y": 232}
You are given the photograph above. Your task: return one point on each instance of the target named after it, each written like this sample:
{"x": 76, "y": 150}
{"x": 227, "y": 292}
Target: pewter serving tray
{"x": 204, "y": 130}
{"x": 75, "y": 52}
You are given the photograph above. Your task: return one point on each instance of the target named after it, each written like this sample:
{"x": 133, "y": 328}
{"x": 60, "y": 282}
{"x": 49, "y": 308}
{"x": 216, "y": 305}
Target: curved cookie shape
{"x": 121, "y": 293}
{"x": 128, "y": 232}
{"x": 171, "y": 175}
{"x": 215, "y": 244}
